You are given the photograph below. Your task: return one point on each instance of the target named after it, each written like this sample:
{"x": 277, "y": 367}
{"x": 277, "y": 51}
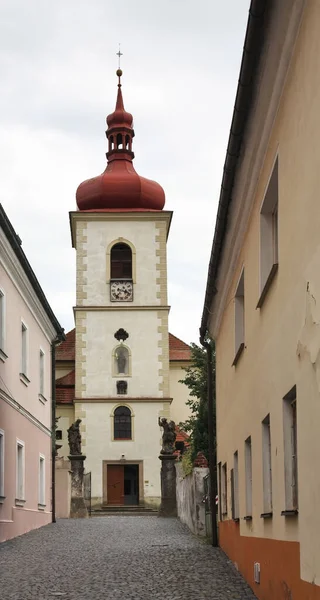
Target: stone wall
{"x": 190, "y": 494}
{"x": 63, "y": 488}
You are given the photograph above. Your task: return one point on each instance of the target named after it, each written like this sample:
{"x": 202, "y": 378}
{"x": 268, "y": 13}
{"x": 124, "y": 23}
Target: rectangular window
{"x": 248, "y": 471}
{"x": 41, "y": 372}
{"x": 24, "y": 349}
{"x": 239, "y": 318}
{"x": 224, "y": 489}
{"x": 266, "y": 466}
{"x": 236, "y": 485}
{"x": 269, "y": 243}
{"x": 20, "y": 471}
{"x": 290, "y": 450}
{"x": 42, "y": 499}
{"x": 2, "y": 322}
{"x": 1, "y": 464}
{"x": 220, "y": 491}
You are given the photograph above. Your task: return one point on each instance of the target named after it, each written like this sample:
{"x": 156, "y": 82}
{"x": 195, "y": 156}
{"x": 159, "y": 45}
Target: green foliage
{"x": 187, "y": 462}
{"x": 196, "y": 380}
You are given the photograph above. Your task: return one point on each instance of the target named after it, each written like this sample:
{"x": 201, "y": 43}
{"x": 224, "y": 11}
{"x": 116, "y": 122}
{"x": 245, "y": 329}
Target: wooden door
{"x": 115, "y": 484}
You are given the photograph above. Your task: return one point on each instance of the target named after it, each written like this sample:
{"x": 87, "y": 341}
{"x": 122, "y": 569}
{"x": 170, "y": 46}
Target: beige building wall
{"x": 282, "y": 339}
{"x": 66, "y": 418}
{"x": 179, "y": 411}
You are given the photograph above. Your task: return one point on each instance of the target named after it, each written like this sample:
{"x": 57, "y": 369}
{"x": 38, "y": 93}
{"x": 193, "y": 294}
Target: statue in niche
{"x": 74, "y": 438}
{"x": 122, "y": 360}
{"x": 168, "y": 436}
{"x": 122, "y": 387}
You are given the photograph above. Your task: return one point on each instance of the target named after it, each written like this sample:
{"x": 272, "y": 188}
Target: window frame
{"x": 266, "y": 467}
{"x": 117, "y": 438}
{"x": 24, "y": 358}
{"x": 236, "y": 512}
{"x": 2, "y": 465}
{"x": 269, "y": 234}
{"x": 120, "y": 240}
{"x": 239, "y": 318}
{"x": 42, "y": 375}
{"x": 248, "y": 477}
{"x": 224, "y": 490}
{"x": 20, "y": 485}
{"x": 3, "y": 325}
{"x": 290, "y": 444}
{"x": 42, "y": 482}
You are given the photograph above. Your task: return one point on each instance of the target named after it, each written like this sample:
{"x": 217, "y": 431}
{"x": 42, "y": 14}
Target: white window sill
{"x": 19, "y": 502}
{"x": 41, "y": 506}
{"x": 2, "y": 499}
{"x": 267, "y": 285}
{"x": 238, "y": 354}
{"x": 3, "y": 355}
{"x": 24, "y": 379}
{"x": 42, "y": 399}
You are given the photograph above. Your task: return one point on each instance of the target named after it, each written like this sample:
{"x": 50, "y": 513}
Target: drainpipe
{"x": 212, "y": 447}
{"x": 53, "y": 423}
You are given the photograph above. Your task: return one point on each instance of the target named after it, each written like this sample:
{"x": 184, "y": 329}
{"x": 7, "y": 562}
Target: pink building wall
{"x": 25, "y": 414}
{"x": 16, "y": 520}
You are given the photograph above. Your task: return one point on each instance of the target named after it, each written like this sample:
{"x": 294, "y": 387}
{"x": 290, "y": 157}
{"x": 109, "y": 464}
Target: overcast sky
{"x": 180, "y": 64}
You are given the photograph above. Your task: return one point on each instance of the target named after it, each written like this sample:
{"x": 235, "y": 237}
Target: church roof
{"x": 66, "y": 350}
{"x": 178, "y": 350}
{"x": 120, "y": 186}
{"x": 66, "y": 380}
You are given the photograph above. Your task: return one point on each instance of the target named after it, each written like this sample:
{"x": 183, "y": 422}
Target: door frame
{"x": 123, "y": 463}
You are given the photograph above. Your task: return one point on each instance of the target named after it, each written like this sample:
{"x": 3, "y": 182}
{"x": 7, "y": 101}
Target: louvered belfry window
{"x": 121, "y": 262}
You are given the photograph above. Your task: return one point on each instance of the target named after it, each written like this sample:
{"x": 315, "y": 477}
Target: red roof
{"x": 67, "y": 380}
{"x": 65, "y": 395}
{"x": 178, "y": 350}
{"x": 66, "y": 350}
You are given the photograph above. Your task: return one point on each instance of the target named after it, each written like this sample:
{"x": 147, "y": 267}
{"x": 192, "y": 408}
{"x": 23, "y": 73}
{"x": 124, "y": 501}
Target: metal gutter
{"x": 253, "y": 45}
{"x": 15, "y": 244}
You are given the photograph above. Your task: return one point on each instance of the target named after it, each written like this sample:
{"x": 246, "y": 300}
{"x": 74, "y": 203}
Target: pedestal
{"x": 78, "y": 509}
{"x": 168, "y": 507}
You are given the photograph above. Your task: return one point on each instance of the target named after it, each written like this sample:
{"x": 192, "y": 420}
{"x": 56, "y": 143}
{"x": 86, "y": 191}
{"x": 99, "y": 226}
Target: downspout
{"x": 53, "y": 425}
{"x": 212, "y": 446}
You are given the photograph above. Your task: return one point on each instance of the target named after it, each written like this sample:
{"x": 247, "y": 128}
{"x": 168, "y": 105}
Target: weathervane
{"x": 119, "y": 72}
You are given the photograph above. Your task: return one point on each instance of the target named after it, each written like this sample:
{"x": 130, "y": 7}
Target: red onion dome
{"x": 120, "y": 187}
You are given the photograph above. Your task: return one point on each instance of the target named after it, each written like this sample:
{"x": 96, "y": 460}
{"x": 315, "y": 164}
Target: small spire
{"x": 119, "y": 71}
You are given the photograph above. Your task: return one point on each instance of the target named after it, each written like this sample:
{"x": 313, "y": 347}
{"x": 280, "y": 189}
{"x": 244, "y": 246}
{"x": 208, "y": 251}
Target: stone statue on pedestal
{"x": 168, "y": 436}
{"x": 74, "y": 438}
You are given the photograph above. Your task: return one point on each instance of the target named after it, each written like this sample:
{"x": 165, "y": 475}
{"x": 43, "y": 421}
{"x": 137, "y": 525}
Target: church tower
{"x": 121, "y": 315}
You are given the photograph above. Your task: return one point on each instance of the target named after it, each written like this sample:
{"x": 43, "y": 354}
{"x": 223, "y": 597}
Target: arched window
{"x": 122, "y": 429}
{"x": 121, "y": 262}
{"x": 119, "y": 141}
{"x": 121, "y": 360}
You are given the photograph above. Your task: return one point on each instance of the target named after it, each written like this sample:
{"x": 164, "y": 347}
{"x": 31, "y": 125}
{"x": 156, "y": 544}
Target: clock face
{"x": 121, "y": 291}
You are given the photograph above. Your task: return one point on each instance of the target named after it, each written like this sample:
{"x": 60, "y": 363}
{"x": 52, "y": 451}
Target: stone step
{"x": 123, "y": 510}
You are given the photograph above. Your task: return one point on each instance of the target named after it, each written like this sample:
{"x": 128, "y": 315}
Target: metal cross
{"x": 119, "y": 54}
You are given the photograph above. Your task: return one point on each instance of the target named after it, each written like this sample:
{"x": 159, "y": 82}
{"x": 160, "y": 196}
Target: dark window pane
{"x": 122, "y": 423}
{"x": 121, "y": 261}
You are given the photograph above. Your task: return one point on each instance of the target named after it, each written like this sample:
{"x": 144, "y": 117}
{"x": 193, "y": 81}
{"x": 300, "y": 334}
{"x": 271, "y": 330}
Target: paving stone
{"x": 115, "y": 557}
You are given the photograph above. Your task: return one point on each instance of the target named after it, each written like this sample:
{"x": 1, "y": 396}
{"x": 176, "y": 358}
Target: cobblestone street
{"x": 135, "y": 558}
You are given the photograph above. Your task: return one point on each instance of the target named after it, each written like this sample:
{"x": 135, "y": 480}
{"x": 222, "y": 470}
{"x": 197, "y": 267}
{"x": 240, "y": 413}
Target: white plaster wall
{"x": 142, "y": 234}
{"x": 146, "y": 443}
{"x": 190, "y": 494}
{"x": 179, "y": 411}
{"x": 142, "y": 327}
